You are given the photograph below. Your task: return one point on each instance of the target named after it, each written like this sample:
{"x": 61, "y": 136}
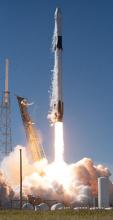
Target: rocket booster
{"x": 57, "y": 47}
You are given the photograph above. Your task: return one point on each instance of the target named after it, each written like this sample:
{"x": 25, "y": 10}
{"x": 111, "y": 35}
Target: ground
{"x": 56, "y": 215}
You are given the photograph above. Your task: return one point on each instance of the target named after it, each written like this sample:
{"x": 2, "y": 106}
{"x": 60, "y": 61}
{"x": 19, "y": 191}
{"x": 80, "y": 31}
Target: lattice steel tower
{"x": 5, "y": 120}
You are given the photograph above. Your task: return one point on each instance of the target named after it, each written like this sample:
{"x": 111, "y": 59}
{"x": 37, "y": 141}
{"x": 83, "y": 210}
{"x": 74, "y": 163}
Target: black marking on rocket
{"x": 58, "y": 44}
{"x": 59, "y": 107}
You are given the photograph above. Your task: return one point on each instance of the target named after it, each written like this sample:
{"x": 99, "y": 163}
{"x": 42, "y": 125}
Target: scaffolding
{"x": 5, "y": 120}
{"x": 33, "y": 140}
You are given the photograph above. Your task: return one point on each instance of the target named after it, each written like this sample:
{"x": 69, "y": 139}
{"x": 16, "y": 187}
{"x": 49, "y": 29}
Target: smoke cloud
{"x": 71, "y": 183}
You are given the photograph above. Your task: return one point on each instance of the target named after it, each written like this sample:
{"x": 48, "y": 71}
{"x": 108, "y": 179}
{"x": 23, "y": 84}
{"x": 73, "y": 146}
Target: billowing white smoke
{"x": 6, "y": 192}
{"x": 70, "y": 183}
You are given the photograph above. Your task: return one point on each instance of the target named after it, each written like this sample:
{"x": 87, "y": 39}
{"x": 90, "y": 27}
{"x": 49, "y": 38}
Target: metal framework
{"x": 5, "y": 127}
{"x": 5, "y": 120}
{"x": 34, "y": 145}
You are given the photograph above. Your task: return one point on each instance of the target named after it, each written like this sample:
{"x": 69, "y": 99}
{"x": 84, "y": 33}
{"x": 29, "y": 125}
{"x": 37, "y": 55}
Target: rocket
{"x": 57, "y": 48}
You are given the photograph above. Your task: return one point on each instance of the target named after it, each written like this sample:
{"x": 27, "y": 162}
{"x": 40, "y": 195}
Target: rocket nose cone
{"x": 57, "y": 13}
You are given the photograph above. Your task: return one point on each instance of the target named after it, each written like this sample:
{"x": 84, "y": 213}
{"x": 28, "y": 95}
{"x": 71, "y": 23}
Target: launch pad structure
{"x": 35, "y": 148}
{"x": 5, "y": 120}
{"x": 33, "y": 140}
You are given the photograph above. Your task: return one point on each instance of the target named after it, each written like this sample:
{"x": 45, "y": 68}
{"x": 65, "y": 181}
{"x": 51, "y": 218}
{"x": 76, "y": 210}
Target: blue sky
{"x": 26, "y": 28}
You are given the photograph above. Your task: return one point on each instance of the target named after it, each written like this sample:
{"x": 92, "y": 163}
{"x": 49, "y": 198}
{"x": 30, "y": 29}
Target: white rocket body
{"x": 57, "y": 47}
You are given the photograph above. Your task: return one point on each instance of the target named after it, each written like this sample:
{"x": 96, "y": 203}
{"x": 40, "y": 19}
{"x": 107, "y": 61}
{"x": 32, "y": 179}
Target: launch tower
{"x": 5, "y": 120}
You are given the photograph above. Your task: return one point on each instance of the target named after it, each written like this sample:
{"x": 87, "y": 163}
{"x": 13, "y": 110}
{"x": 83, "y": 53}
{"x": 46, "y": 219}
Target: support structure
{"x": 5, "y": 120}
{"x": 35, "y": 148}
